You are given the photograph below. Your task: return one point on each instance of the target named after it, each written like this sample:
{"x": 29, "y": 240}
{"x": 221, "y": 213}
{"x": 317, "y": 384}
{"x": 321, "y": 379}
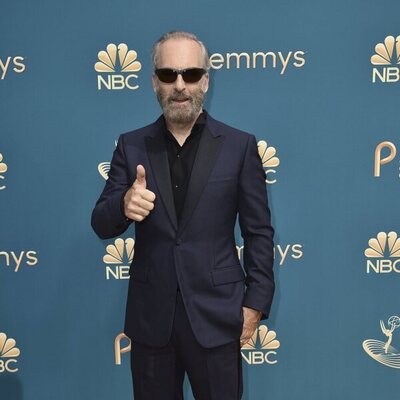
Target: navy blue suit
{"x": 198, "y": 254}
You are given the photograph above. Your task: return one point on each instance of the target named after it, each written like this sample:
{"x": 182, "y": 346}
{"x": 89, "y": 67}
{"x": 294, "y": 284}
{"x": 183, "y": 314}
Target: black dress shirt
{"x": 181, "y": 160}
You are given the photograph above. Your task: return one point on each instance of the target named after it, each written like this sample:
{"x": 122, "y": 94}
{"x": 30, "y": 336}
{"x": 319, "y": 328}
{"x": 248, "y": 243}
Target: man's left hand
{"x": 251, "y": 318}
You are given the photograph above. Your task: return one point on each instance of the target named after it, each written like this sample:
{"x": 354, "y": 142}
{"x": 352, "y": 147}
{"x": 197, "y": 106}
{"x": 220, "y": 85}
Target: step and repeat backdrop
{"x": 316, "y": 82}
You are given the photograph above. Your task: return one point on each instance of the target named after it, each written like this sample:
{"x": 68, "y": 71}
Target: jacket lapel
{"x": 207, "y": 152}
{"x": 206, "y": 156}
{"x": 157, "y": 153}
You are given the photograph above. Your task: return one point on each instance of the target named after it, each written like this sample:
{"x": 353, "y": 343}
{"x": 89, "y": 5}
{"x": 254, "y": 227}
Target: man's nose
{"x": 180, "y": 83}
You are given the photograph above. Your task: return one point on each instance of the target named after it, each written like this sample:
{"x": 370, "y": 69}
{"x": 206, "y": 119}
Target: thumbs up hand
{"x": 138, "y": 201}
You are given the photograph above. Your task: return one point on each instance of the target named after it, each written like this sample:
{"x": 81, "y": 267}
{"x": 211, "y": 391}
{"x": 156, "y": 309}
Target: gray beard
{"x": 181, "y": 116}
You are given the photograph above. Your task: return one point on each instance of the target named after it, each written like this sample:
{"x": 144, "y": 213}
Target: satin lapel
{"x": 207, "y": 153}
{"x": 157, "y": 152}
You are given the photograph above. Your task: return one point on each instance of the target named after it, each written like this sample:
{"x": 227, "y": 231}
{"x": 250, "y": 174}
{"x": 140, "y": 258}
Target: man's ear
{"x": 206, "y": 80}
{"x": 154, "y": 82}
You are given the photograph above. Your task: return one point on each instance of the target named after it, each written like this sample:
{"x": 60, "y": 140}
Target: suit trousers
{"x": 158, "y": 372}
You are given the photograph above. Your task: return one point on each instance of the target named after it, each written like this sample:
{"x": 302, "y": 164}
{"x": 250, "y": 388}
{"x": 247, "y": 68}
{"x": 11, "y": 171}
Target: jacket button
{"x": 178, "y": 242}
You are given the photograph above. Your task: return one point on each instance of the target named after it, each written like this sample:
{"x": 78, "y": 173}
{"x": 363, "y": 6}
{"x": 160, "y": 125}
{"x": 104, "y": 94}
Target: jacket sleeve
{"x": 256, "y": 231}
{"x": 108, "y": 218}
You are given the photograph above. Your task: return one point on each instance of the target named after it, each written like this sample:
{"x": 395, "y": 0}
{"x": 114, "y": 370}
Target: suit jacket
{"x": 200, "y": 253}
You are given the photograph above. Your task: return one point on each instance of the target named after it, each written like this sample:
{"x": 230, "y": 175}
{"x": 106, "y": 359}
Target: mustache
{"x": 178, "y": 97}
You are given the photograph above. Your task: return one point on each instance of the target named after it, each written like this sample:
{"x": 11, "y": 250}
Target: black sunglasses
{"x": 190, "y": 75}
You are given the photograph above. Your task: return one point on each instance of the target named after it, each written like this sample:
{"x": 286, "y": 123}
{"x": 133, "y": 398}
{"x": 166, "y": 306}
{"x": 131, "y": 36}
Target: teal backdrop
{"x": 318, "y": 81}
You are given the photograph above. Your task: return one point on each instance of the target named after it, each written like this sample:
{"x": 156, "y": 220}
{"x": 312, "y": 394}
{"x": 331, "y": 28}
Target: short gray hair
{"x": 178, "y": 35}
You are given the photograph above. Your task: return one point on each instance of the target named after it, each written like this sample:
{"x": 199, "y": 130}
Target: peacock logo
{"x": 383, "y": 253}
{"x": 261, "y": 347}
{"x": 118, "y": 257}
{"x": 8, "y": 353}
{"x": 269, "y": 160}
{"x": 387, "y": 56}
{"x": 3, "y": 169}
{"x": 117, "y": 66}
{"x": 385, "y": 53}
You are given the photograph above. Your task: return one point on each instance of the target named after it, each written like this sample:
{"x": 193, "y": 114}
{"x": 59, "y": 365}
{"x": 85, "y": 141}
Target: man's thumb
{"x": 141, "y": 175}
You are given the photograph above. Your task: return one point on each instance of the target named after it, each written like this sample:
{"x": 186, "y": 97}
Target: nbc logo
{"x": 3, "y": 168}
{"x": 8, "y": 352}
{"x": 384, "y": 352}
{"x": 379, "y": 160}
{"x": 387, "y": 54}
{"x": 118, "y": 258}
{"x": 383, "y": 253}
{"x": 267, "y": 346}
{"x": 108, "y": 65}
{"x": 269, "y": 161}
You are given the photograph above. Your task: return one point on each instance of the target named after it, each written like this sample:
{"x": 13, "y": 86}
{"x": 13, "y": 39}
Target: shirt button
{"x": 176, "y": 186}
{"x": 178, "y": 155}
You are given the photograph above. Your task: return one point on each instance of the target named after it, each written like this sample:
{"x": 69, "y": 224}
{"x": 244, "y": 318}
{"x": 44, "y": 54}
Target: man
{"x": 183, "y": 180}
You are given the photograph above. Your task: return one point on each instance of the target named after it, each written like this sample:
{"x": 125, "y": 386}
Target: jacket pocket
{"x": 227, "y": 275}
{"x": 221, "y": 178}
